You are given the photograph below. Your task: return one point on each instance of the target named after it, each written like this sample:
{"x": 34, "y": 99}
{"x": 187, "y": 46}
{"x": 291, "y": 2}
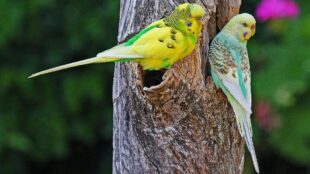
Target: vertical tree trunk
{"x": 176, "y": 126}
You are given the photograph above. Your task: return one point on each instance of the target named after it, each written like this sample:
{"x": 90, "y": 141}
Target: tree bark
{"x": 175, "y": 126}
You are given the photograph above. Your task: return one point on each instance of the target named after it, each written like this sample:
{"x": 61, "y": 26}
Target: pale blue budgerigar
{"x": 230, "y": 70}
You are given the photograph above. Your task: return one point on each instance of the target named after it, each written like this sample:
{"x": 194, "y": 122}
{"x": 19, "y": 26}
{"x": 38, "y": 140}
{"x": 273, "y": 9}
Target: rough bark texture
{"x": 177, "y": 126}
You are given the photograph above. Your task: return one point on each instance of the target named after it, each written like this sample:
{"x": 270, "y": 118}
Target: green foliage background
{"x": 62, "y": 123}
{"x": 280, "y": 61}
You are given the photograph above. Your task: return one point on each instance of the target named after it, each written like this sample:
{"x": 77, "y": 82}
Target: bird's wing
{"x": 245, "y": 68}
{"x": 227, "y": 64}
{"x": 126, "y": 50}
{"x": 162, "y": 46}
{"x": 119, "y": 51}
{"x": 150, "y": 42}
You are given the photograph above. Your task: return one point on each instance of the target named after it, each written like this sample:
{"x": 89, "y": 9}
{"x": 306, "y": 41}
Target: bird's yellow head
{"x": 242, "y": 26}
{"x": 189, "y": 18}
{"x": 194, "y": 10}
{"x": 191, "y": 11}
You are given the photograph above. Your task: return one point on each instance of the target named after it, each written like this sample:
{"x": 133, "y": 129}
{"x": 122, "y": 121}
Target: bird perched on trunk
{"x": 158, "y": 46}
{"x": 230, "y": 70}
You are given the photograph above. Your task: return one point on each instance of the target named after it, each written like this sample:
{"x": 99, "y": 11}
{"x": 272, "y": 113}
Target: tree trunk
{"x": 169, "y": 125}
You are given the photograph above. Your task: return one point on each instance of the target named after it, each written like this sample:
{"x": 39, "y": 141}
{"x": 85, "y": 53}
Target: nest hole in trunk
{"x": 153, "y": 78}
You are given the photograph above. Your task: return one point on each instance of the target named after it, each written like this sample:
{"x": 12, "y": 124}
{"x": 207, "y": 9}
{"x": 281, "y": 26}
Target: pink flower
{"x": 276, "y": 9}
{"x": 265, "y": 116}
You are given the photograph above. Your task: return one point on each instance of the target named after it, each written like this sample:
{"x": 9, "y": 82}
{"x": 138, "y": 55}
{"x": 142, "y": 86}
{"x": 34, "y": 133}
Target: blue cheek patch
{"x": 245, "y": 34}
{"x": 189, "y": 24}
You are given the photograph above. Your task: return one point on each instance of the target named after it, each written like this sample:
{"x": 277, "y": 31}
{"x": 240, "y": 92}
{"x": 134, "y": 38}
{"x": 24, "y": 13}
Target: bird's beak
{"x": 253, "y": 29}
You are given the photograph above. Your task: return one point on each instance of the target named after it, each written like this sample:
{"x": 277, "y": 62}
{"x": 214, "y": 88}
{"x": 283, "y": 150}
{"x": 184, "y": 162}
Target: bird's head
{"x": 242, "y": 26}
{"x": 193, "y": 10}
{"x": 190, "y": 18}
{"x": 196, "y": 11}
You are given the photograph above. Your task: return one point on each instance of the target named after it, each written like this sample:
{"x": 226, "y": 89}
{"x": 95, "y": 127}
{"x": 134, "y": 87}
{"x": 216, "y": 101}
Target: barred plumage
{"x": 174, "y": 18}
{"x": 230, "y": 71}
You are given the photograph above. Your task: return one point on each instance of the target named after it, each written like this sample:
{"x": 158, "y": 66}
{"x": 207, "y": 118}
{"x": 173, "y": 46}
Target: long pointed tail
{"x": 243, "y": 120}
{"x": 74, "y": 64}
{"x": 117, "y": 53}
{"x": 249, "y": 142}
{"x": 245, "y": 128}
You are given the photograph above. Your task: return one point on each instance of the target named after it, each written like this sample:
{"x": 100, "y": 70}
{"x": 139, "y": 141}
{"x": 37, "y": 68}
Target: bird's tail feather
{"x": 75, "y": 64}
{"x": 245, "y": 129}
{"x": 249, "y": 143}
{"x": 117, "y": 53}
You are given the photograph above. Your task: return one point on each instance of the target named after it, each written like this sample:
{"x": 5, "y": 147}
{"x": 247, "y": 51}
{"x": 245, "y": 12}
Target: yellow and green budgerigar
{"x": 230, "y": 70}
{"x": 158, "y": 46}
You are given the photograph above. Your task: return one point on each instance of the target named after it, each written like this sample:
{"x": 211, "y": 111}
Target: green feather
{"x": 166, "y": 63}
{"x": 239, "y": 73}
{"x": 137, "y": 36}
{"x": 232, "y": 44}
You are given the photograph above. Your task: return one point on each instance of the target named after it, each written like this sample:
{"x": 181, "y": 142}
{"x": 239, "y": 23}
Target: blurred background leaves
{"x": 62, "y": 123}
{"x": 280, "y": 59}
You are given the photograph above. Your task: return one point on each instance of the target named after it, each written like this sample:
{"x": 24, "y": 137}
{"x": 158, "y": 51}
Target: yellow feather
{"x": 74, "y": 64}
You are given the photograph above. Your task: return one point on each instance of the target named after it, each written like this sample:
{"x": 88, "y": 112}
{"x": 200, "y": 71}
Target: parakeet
{"x": 158, "y": 46}
{"x": 230, "y": 70}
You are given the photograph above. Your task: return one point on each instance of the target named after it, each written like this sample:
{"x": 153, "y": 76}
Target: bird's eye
{"x": 245, "y": 24}
{"x": 189, "y": 24}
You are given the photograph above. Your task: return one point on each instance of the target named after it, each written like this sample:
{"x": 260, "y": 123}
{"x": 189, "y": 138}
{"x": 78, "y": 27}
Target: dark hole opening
{"x": 153, "y": 78}
{"x": 217, "y": 29}
{"x": 208, "y": 68}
